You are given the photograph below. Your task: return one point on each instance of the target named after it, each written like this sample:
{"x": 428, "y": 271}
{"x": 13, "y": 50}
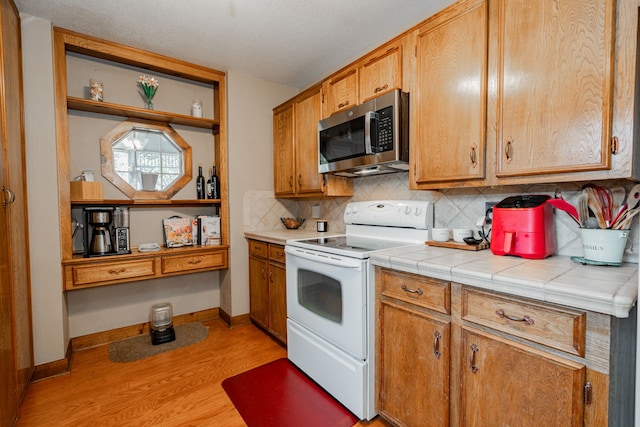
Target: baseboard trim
{"x": 233, "y": 322}
{"x": 55, "y": 368}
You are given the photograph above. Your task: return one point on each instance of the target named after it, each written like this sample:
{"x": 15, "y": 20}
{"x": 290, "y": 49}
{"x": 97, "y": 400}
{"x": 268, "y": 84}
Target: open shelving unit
{"x": 80, "y": 272}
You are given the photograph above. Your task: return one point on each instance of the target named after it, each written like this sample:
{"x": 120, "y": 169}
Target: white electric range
{"x": 331, "y": 296}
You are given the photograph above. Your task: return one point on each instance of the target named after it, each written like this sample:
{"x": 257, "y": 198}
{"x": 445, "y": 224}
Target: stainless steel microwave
{"x": 369, "y": 139}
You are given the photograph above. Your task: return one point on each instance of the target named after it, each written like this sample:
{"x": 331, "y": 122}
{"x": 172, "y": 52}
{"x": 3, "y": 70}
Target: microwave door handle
{"x": 371, "y": 138}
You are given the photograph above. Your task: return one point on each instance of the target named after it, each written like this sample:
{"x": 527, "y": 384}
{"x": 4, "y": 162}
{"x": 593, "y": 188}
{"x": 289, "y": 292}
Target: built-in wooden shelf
{"x": 81, "y": 104}
{"x": 147, "y": 202}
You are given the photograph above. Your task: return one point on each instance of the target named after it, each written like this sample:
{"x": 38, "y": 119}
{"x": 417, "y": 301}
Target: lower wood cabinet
{"x": 492, "y": 359}
{"x": 267, "y": 287}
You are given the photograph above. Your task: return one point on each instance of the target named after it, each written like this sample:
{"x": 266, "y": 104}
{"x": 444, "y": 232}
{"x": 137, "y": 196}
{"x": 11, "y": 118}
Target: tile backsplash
{"x": 453, "y": 208}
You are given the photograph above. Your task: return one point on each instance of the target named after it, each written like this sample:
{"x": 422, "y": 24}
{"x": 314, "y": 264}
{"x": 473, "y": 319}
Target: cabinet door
{"x": 414, "y": 367}
{"x": 450, "y": 100}
{"x": 555, "y": 86}
{"x": 283, "y": 152}
{"x": 259, "y": 291}
{"x": 505, "y": 383}
{"x": 382, "y": 73}
{"x": 278, "y": 301}
{"x": 307, "y": 114}
{"x": 16, "y": 351}
{"x": 341, "y": 92}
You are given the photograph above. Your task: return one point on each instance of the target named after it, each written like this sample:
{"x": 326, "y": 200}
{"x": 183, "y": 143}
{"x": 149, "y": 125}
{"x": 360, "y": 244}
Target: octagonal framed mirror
{"x": 145, "y": 160}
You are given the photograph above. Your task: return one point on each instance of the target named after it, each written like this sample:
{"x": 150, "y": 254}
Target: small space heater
{"x": 161, "y": 323}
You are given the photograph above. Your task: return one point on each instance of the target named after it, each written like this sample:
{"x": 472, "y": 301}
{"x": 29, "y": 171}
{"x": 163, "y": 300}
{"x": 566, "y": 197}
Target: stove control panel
{"x": 391, "y": 213}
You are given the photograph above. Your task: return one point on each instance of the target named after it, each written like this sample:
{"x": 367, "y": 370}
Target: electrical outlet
{"x": 489, "y": 215}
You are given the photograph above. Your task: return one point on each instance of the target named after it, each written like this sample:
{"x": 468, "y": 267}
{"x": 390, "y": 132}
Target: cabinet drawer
{"x": 563, "y": 329}
{"x": 257, "y": 248}
{"x": 95, "y": 274}
{"x": 176, "y": 264}
{"x": 276, "y": 253}
{"x": 419, "y": 290}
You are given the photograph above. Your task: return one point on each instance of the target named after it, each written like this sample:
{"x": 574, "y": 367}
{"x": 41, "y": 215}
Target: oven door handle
{"x": 330, "y": 260}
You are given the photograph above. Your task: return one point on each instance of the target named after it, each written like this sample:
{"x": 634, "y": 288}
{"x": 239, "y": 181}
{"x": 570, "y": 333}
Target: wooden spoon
{"x": 593, "y": 202}
{"x": 583, "y": 209}
{"x": 633, "y": 198}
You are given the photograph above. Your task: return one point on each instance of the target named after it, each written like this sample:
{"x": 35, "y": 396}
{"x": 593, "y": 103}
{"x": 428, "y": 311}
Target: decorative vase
{"x": 149, "y": 104}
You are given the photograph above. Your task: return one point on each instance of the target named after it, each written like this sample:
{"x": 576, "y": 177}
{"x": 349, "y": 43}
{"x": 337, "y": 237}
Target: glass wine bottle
{"x": 215, "y": 184}
{"x": 200, "y": 186}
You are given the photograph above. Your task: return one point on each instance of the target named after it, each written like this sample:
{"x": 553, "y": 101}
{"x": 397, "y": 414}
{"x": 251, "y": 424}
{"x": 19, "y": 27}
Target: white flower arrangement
{"x": 149, "y": 86}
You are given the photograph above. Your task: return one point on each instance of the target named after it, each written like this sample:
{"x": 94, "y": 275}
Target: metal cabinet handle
{"x": 271, "y": 276}
{"x": 472, "y": 363}
{"x": 526, "y": 319}
{"x": 10, "y": 197}
{"x": 194, "y": 261}
{"x": 380, "y": 89}
{"x": 436, "y": 344}
{"x": 507, "y": 150}
{"x": 412, "y": 291}
{"x": 291, "y": 181}
{"x": 122, "y": 270}
{"x": 263, "y": 276}
{"x": 614, "y": 145}
{"x": 473, "y": 155}
{"x": 343, "y": 104}
{"x": 300, "y": 180}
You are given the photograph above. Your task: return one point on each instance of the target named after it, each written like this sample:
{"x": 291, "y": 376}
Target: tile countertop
{"x": 280, "y": 236}
{"x": 557, "y": 279}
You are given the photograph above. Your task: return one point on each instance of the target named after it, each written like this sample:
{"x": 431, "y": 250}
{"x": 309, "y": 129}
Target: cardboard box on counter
{"x": 86, "y": 191}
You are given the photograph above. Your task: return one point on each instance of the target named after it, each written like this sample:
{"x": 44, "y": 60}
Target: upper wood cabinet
{"x": 511, "y": 92}
{"x": 341, "y": 92}
{"x": 375, "y": 74}
{"x": 554, "y": 71}
{"x": 295, "y": 139}
{"x": 450, "y": 96}
{"x": 283, "y": 153}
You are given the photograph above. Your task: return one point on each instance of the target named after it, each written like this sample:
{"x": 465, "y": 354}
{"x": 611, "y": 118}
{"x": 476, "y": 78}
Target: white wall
{"x": 250, "y": 106}
{"x": 50, "y": 329}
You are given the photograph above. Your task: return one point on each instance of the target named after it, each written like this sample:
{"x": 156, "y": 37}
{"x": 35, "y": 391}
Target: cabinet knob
{"x": 10, "y": 197}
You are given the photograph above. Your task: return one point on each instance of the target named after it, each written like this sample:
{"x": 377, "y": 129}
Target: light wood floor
{"x": 178, "y": 388}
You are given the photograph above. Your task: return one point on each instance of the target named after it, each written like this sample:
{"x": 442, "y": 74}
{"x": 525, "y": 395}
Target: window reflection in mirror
{"x": 146, "y": 160}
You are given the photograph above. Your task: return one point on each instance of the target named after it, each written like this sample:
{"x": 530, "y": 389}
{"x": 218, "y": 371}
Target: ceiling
{"x": 291, "y": 42}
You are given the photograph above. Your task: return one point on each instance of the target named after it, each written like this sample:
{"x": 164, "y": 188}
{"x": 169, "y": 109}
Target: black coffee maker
{"x": 97, "y": 231}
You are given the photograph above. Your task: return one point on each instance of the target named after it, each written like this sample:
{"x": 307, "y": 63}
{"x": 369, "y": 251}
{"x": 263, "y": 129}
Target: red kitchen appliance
{"x": 523, "y": 226}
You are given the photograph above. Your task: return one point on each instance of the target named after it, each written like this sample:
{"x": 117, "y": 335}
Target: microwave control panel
{"x": 385, "y": 130}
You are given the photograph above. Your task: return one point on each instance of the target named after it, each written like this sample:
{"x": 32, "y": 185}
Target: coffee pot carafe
{"x": 97, "y": 232}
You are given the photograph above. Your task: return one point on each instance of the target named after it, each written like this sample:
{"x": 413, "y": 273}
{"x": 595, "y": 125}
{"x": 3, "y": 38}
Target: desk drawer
{"x": 430, "y": 293}
{"x": 109, "y": 272}
{"x": 208, "y": 261}
{"x": 560, "y": 328}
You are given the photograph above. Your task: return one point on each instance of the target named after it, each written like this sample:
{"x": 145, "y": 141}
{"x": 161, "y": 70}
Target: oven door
{"x": 326, "y": 295}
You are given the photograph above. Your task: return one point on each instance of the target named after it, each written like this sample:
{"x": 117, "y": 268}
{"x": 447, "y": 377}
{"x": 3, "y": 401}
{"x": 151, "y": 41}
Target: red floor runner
{"x": 279, "y": 394}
